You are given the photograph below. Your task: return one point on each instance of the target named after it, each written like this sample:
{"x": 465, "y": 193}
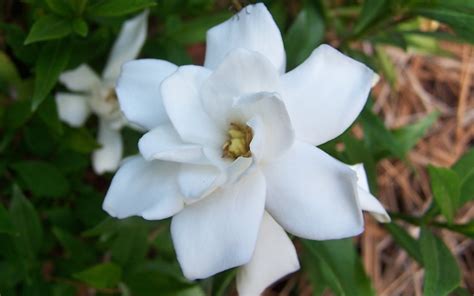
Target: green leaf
{"x": 446, "y": 186}
{"x": 27, "y": 223}
{"x": 341, "y": 267}
{"x": 404, "y": 240}
{"x": 48, "y": 113}
{"x": 105, "y": 275}
{"x": 193, "y": 31}
{"x": 52, "y": 60}
{"x": 76, "y": 250}
{"x": 461, "y": 22}
{"x": 465, "y": 229}
{"x": 8, "y": 72}
{"x": 6, "y": 225}
{"x": 80, "y": 140}
{"x": 18, "y": 114}
{"x": 80, "y": 27}
{"x": 153, "y": 276}
{"x": 111, "y": 8}
{"x": 306, "y": 32}
{"x": 60, "y": 7}
{"x": 378, "y": 137}
{"x": 409, "y": 135}
{"x": 386, "y": 65}
{"x": 464, "y": 167}
{"x": 42, "y": 178}
{"x": 371, "y": 10}
{"x": 15, "y": 39}
{"x": 49, "y": 27}
{"x": 131, "y": 244}
{"x": 441, "y": 270}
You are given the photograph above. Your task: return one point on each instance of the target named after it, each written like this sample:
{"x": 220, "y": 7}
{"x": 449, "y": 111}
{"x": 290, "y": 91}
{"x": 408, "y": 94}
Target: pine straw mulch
{"x": 424, "y": 84}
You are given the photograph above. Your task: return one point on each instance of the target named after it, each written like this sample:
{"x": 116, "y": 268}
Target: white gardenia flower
{"x": 97, "y": 95}
{"x": 230, "y": 152}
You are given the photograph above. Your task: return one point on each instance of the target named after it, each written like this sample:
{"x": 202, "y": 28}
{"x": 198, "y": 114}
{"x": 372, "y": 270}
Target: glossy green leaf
{"x": 466, "y": 229}
{"x": 42, "y": 178}
{"x": 461, "y": 22}
{"x": 386, "y": 65}
{"x": 75, "y": 249}
{"x": 446, "y": 187}
{"x": 80, "y": 140}
{"x": 404, "y": 240}
{"x": 60, "y": 7}
{"x": 80, "y": 27}
{"x": 105, "y": 275}
{"x": 52, "y": 60}
{"x": 49, "y": 27}
{"x": 441, "y": 270}
{"x": 465, "y": 165}
{"x": 303, "y": 36}
{"x": 152, "y": 277}
{"x": 409, "y": 135}
{"x": 27, "y": 224}
{"x": 378, "y": 137}
{"x": 131, "y": 245}
{"x": 112, "y": 8}
{"x": 341, "y": 266}
{"x": 6, "y": 225}
{"x": 8, "y": 71}
{"x": 193, "y": 31}
{"x": 371, "y": 10}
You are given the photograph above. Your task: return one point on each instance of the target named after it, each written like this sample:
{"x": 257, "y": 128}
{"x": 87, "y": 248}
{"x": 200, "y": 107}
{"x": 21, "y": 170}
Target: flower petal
{"x": 163, "y": 142}
{"x": 220, "y": 231}
{"x": 107, "y": 158}
{"x": 183, "y": 104}
{"x": 253, "y": 28}
{"x": 82, "y": 79}
{"x": 198, "y": 181}
{"x": 367, "y": 201}
{"x": 313, "y": 195}
{"x": 278, "y": 135}
{"x": 127, "y": 46}
{"x": 138, "y": 90}
{"x": 273, "y": 258}
{"x": 243, "y": 72}
{"x": 325, "y": 94}
{"x": 72, "y": 109}
{"x": 145, "y": 188}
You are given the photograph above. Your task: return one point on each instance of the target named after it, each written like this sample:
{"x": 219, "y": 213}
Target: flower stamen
{"x": 238, "y": 143}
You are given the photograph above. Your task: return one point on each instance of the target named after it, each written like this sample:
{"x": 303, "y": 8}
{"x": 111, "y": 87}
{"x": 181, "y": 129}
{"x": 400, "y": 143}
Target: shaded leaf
{"x": 105, "y": 275}
{"x": 410, "y": 134}
{"x": 27, "y": 224}
{"x": 49, "y": 27}
{"x": 42, "y": 178}
{"x": 52, "y": 60}
{"x": 371, "y": 10}
{"x": 6, "y": 225}
{"x": 446, "y": 186}
{"x": 306, "y": 32}
{"x": 404, "y": 240}
{"x": 110, "y": 8}
{"x": 80, "y": 27}
{"x": 341, "y": 265}
{"x": 441, "y": 270}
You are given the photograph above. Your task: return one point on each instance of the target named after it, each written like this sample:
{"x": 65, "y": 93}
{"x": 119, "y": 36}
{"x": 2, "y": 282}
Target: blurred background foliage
{"x": 56, "y": 240}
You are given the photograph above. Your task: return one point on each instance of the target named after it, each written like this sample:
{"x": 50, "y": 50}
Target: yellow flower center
{"x": 238, "y": 143}
{"x": 111, "y": 96}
